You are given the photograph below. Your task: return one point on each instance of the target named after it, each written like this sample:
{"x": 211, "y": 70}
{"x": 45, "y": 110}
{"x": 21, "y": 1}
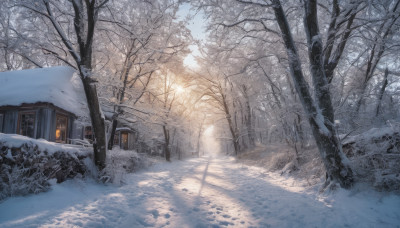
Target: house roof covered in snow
{"x": 60, "y": 86}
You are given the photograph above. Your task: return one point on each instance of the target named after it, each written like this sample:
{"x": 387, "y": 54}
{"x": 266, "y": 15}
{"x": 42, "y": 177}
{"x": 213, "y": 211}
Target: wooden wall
{"x": 45, "y": 122}
{"x": 10, "y": 122}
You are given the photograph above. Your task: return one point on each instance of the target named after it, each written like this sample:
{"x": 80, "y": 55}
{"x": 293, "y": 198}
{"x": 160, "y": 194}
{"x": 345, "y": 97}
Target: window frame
{"x": 20, "y": 113}
{"x": 84, "y": 133}
{"x": 117, "y": 138}
{"x": 122, "y": 145}
{"x": 66, "y": 128}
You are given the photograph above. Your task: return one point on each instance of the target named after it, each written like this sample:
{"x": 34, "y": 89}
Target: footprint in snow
{"x": 155, "y": 213}
{"x": 225, "y": 223}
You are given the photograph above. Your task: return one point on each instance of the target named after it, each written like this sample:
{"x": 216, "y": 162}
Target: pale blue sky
{"x": 196, "y": 24}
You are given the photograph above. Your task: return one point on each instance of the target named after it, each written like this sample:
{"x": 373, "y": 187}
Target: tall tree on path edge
{"x": 85, "y": 14}
{"x": 320, "y": 113}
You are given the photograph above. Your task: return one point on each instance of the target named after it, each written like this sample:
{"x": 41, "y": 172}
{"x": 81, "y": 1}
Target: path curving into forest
{"x": 204, "y": 192}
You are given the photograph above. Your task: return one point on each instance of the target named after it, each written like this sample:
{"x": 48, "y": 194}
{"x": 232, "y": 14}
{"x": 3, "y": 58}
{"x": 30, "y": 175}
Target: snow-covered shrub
{"x": 305, "y": 165}
{"x": 27, "y": 165}
{"x": 271, "y": 157}
{"x": 375, "y": 156}
{"x": 281, "y": 160}
{"x": 120, "y": 162}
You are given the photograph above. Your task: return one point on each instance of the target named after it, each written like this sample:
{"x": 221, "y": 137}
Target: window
{"x": 26, "y": 124}
{"x": 61, "y": 128}
{"x": 116, "y": 139}
{"x": 124, "y": 140}
{"x": 88, "y": 133}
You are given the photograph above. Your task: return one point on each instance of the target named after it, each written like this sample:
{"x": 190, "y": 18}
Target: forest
{"x": 308, "y": 89}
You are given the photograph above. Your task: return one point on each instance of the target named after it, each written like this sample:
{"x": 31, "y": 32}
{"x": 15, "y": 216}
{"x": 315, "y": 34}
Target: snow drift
{"x": 28, "y": 164}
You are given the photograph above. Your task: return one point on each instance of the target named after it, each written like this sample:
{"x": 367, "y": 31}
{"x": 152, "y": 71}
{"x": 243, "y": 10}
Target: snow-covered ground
{"x": 205, "y": 192}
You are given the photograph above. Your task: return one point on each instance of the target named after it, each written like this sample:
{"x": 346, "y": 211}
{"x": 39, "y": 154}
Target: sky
{"x": 196, "y": 24}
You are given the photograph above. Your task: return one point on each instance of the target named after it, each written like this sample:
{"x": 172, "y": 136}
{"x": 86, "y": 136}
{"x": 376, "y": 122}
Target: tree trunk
{"x": 199, "y": 136}
{"x": 320, "y": 115}
{"x": 112, "y": 136}
{"x": 249, "y": 119}
{"x": 124, "y": 75}
{"x": 85, "y": 18}
{"x": 166, "y": 145}
{"x": 232, "y": 129}
{"x": 299, "y": 130}
{"x": 99, "y": 143}
{"x": 331, "y": 59}
{"x": 84, "y": 15}
{"x": 382, "y": 91}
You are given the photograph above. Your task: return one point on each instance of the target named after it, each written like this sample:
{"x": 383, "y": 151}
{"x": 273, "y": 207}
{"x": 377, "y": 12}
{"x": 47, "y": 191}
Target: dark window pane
{"x": 116, "y": 139}
{"x": 27, "y": 124}
{"x": 88, "y": 133}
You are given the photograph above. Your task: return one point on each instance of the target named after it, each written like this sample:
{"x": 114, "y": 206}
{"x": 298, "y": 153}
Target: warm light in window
{"x": 58, "y": 133}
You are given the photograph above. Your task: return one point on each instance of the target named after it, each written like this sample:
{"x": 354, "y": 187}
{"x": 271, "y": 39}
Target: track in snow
{"x": 205, "y": 192}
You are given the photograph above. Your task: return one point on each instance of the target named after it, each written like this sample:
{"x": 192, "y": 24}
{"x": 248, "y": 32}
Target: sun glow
{"x": 210, "y": 144}
{"x": 179, "y": 89}
{"x": 209, "y": 130}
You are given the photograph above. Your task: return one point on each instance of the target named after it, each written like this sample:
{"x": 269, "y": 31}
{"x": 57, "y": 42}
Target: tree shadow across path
{"x": 202, "y": 192}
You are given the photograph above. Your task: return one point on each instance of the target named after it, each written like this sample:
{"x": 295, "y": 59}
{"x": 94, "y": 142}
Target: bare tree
{"x": 382, "y": 91}
{"x": 320, "y": 112}
{"x": 216, "y": 93}
{"x": 253, "y": 20}
{"x": 85, "y": 16}
{"x": 379, "y": 46}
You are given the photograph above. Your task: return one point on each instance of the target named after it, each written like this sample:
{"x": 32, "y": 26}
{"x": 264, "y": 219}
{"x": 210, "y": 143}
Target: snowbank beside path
{"x": 199, "y": 193}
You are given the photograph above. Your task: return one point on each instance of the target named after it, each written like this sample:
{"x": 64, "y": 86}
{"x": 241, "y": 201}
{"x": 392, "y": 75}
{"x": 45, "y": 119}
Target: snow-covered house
{"x": 46, "y": 103}
{"x": 125, "y": 138}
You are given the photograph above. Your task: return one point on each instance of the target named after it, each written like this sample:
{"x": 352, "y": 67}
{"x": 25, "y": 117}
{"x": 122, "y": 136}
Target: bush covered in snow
{"x": 375, "y": 156}
{"x": 305, "y": 164}
{"x": 27, "y": 164}
{"x": 120, "y": 162}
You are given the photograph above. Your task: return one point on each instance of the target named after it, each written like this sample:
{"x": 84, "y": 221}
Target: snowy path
{"x": 198, "y": 193}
